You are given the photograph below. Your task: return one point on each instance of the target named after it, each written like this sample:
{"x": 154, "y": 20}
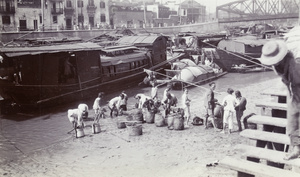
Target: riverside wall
{"x": 208, "y": 27}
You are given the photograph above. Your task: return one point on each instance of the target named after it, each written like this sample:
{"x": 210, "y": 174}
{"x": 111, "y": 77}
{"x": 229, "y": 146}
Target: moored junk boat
{"x": 56, "y": 74}
{"x": 239, "y": 51}
{"x": 155, "y": 45}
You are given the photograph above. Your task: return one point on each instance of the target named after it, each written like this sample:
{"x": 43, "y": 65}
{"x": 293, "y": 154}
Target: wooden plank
{"x": 267, "y": 120}
{"x": 257, "y": 169}
{"x": 266, "y": 136}
{"x": 266, "y": 154}
{"x": 272, "y": 105}
{"x": 275, "y": 92}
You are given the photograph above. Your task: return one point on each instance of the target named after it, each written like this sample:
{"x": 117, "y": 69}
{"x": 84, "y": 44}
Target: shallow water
{"x": 236, "y": 81}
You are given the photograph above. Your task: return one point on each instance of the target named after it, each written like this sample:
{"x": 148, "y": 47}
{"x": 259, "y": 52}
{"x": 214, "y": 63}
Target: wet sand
{"x": 40, "y": 146}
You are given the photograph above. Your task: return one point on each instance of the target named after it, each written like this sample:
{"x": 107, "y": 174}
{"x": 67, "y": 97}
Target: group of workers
{"x": 231, "y": 104}
{"x": 278, "y": 54}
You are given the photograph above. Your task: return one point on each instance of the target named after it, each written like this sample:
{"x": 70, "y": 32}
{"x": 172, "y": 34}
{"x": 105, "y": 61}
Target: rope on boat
{"x": 239, "y": 56}
{"x": 180, "y": 80}
{"x": 19, "y": 38}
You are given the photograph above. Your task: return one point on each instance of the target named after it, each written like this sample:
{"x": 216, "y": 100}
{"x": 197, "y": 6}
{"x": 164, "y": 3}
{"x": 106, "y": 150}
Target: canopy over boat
{"x": 21, "y": 51}
{"x": 140, "y": 41}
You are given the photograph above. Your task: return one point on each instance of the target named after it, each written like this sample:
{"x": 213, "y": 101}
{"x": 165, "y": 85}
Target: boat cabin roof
{"x": 20, "y": 51}
{"x": 246, "y": 40}
{"x": 124, "y": 58}
{"x": 203, "y": 35}
{"x": 118, "y": 48}
{"x": 143, "y": 40}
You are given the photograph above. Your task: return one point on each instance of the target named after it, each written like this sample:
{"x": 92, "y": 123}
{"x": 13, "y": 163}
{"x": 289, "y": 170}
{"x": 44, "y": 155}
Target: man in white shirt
{"x": 114, "y": 104}
{"x": 141, "y": 98}
{"x": 229, "y": 103}
{"x": 154, "y": 91}
{"x": 97, "y": 106}
{"x": 186, "y": 106}
{"x": 83, "y": 110}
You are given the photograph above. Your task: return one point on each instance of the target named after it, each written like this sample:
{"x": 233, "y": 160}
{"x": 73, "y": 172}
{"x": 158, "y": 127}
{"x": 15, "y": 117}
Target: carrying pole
{"x": 180, "y": 80}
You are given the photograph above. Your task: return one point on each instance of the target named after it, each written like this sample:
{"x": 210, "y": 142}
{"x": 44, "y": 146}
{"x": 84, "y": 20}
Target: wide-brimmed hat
{"x": 273, "y": 52}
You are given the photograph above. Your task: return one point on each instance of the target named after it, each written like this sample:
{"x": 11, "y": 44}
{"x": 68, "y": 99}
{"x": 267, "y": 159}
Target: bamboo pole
{"x": 180, "y": 80}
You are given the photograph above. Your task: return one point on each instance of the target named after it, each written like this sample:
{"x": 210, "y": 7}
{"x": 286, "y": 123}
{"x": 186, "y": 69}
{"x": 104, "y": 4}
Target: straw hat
{"x": 273, "y": 52}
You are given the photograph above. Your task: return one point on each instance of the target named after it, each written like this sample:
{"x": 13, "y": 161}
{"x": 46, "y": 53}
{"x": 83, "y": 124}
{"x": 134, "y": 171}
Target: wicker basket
{"x": 150, "y": 116}
{"x": 135, "y": 130}
{"x": 121, "y": 124}
{"x": 159, "y": 120}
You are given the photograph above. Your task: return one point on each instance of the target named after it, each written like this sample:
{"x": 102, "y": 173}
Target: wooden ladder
{"x": 247, "y": 168}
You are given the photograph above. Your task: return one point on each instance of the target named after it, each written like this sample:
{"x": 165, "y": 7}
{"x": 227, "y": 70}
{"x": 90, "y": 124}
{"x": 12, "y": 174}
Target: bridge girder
{"x": 260, "y": 8}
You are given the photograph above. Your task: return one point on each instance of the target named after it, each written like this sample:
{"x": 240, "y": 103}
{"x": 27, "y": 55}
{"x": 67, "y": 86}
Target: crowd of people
{"x": 230, "y": 106}
{"x": 284, "y": 58}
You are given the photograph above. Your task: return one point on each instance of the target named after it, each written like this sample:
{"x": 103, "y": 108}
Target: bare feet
{"x": 294, "y": 154}
{"x": 223, "y": 132}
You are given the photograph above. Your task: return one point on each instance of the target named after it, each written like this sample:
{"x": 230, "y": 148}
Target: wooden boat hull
{"x": 43, "y": 95}
{"x": 65, "y": 74}
{"x": 227, "y": 60}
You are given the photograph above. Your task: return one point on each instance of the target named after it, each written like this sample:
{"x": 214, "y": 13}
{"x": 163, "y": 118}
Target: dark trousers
{"x": 239, "y": 115}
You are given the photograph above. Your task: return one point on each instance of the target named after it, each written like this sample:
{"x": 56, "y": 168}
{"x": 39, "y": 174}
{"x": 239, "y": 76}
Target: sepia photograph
{"x": 149, "y": 88}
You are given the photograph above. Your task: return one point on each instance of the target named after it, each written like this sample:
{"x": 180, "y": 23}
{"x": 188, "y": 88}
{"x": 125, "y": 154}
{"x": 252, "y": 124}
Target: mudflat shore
{"x": 41, "y": 146}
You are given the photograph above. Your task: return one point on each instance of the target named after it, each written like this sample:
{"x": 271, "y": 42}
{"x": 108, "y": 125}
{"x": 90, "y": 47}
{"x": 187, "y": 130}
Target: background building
{"x": 53, "y": 14}
{"x": 130, "y": 16}
{"x": 27, "y": 15}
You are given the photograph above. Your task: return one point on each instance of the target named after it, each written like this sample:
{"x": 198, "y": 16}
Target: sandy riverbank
{"x": 158, "y": 152}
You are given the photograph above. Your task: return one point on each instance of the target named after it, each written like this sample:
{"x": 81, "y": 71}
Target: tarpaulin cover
{"x": 138, "y": 39}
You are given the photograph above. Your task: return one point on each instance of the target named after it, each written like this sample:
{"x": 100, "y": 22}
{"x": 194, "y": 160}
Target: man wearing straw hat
{"x": 287, "y": 65}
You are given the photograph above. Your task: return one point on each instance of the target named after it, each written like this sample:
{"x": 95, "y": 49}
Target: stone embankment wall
{"x": 209, "y": 27}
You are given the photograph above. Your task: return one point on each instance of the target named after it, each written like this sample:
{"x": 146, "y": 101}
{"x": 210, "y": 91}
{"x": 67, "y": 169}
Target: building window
{"x": 141, "y": 23}
{"x": 41, "y": 19}
{"x": 102, "y": 18}
{"x": 54, "y": 19}
{"x": 6, "y": 20}
{"x": 102, "y": 5}
{"x": 91, "y": 3}
{"x": 69, "y": 3}
{"x": 80, "y": 3}
{"x": 80, "y": 19}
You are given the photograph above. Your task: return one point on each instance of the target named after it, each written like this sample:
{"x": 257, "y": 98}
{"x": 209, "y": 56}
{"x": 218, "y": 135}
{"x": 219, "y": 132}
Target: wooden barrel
{"x": 159, "y": 120}
{"x": 135, "y": 130}
{"x": 150, "y": 116}
{"x": 178, "y": 123}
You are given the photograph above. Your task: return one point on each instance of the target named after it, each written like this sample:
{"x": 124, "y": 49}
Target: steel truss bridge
{"x": 256, "y": 10}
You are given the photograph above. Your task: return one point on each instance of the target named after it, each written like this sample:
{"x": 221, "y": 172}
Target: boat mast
{"x": 144, "y": 14}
